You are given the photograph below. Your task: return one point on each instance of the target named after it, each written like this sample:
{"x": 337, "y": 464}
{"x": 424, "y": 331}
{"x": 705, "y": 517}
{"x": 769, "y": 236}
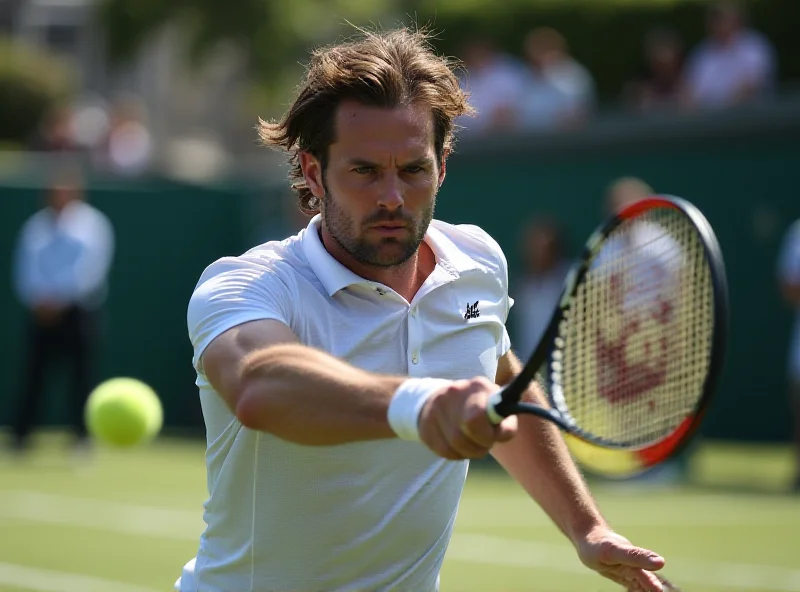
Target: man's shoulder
{"x": 474, "y": 242}
{"x": 36, "y": 219}
{"x": 279, "y": 259}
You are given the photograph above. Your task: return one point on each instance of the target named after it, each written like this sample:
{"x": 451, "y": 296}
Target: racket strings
{"x": 635, "y": 343}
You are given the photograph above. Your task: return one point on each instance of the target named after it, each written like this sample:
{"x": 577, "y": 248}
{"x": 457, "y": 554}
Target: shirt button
{"x": 414, "y": 312}
{"x": 415, "y": 357}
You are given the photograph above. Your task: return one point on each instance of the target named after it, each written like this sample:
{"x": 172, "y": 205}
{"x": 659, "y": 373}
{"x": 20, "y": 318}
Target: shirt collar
{"x": 335, "y": 276}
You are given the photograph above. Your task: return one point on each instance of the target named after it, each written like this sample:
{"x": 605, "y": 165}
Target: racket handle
{"x": 491, "y": 407}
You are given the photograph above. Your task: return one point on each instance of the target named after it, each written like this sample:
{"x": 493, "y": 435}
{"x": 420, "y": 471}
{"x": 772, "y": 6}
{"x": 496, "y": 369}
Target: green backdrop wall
{"x": 166, "y": 234}
{"x": 742, "y": 170}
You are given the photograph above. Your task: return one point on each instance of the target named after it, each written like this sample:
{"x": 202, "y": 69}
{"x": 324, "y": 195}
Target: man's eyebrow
{"x": 421, "y": 161}
{"x": 363, "y": 162}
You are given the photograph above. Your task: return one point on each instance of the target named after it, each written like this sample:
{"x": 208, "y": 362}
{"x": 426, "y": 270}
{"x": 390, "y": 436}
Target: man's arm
{"x": 26, "y": 277}
{"x": 539, "y": 460}
{"x": 274, "y": 384}
{"x": 96, "y": 258}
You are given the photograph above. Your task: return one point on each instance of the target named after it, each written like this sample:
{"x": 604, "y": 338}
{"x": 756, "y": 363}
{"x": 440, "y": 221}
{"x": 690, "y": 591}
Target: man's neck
{"x": 406, "y": 279}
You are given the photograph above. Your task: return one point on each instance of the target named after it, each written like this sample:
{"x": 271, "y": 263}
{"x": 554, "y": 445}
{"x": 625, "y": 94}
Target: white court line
{"x": 45, "y": 580}
{"x": 491, "y": 550}
{"x": 154, "y": 521}
{"x": 161, "y": 522}
{"x": 706, "y": 511}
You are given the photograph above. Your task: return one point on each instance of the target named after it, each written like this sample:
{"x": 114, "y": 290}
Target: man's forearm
{"x": 309, "y": 397}
{"x": 539, "y": 460}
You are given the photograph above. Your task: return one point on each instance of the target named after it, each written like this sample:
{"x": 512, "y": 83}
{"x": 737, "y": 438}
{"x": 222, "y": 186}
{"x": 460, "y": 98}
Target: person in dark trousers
{"x": 62, "y": 261}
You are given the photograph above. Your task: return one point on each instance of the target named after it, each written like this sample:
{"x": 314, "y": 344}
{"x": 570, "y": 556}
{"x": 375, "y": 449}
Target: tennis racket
{"x": 632, "y": 353}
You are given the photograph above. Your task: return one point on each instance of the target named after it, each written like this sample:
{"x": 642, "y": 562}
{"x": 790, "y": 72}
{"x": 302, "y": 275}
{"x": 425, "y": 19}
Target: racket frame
{"x": 507, "y": 401}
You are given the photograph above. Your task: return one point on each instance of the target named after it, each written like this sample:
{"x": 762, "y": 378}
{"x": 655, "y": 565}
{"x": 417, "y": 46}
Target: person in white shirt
{"x": 559, "y": 91}
{"x": 789, "y": 282}
{"x": 541, "y": 282}
{"x": 496, "y": 84}
{"x": 62, "y": 261}
{"x": 735, "y": 64}
{"x": 344, "y": 372}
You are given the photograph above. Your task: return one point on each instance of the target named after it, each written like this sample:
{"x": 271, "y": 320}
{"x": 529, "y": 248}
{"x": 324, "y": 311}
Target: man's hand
{"x": 454, "y": 424}
{"x": 614, "y": 557}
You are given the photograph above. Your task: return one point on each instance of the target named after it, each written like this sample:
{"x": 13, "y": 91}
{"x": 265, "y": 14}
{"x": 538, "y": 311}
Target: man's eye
{"x": 364, "y": 170}
{"x": 414, "y": 169}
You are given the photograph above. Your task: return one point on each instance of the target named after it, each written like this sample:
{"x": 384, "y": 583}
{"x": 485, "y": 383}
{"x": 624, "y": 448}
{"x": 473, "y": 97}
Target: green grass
{"x": 129, "y": 520}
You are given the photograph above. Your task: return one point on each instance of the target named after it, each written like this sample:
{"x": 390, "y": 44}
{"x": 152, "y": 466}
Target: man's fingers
{"x": 632, "y": 556}
{"x": 649, "y": 582}
{"x": 482, "y": 435}
{"x": 506, "y": 429}
{"x": 635, "y": 580}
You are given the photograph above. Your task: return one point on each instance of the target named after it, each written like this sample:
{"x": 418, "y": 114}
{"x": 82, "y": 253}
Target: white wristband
{"x": 407, "y": 403}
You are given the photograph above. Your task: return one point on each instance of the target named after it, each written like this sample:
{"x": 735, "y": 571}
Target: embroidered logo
{"x": 472, "y": 311}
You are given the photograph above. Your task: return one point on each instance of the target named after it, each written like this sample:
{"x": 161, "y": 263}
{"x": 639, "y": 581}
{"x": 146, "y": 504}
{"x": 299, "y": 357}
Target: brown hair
{"x": 384, "y": 69}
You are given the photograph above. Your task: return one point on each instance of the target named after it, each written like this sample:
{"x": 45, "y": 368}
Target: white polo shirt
{"x": 362, "y": 516}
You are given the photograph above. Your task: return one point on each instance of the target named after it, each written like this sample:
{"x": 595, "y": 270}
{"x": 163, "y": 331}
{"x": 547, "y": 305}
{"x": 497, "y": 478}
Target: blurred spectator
{"x": 653, "y": 257}
{"x": 129, "y": 146}
{"x": 495, "y": 83}
{"x": 63, "y": 256}
{"x": 662, "y": 83}
{"x": 733, "y": 65}
{"x": 789, "y": 281}
{"x": 625, "y": 191}
{"x": 559, "y": 91}
{"x": 55, "y": 131}
{"x": 546, "y": 266}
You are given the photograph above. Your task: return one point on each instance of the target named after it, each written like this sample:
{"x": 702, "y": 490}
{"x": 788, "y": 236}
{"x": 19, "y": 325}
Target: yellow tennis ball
{"x": 123, "y": 412}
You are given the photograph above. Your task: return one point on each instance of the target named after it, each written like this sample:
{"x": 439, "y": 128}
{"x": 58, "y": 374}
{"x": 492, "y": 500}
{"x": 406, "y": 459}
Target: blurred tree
{"x": 274, "y": 34}
{"x": 605, "y": 35}
{"x": 32, "y": 81}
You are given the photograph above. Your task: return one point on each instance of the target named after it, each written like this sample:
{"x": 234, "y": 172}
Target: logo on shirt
{"x": 472, "y": 311}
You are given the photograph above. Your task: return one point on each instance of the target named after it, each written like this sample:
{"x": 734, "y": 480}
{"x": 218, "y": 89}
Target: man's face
{"x": 542, "y": 252}
{"x": 724, "y": 23}
{"x": 380, "y": 183}
{"x": 61, "y": 194}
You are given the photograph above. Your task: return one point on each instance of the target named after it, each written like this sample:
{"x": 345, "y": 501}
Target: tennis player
{"x": 344, "y": 372}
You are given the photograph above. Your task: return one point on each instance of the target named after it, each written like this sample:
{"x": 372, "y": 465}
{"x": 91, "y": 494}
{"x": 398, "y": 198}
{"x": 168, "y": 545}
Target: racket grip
{"x": 491, "y": 407}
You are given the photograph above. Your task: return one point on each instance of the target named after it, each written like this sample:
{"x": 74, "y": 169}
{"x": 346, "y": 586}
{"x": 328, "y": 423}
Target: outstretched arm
{"x": 539, "y": 460}
{"x": 274, "y": 384}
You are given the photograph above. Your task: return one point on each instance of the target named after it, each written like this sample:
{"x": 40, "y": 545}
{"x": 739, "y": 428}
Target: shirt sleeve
{"x": 95, "y": 263}
{"x": 232, "y": 292}
{"x": 505, "y": 341}
{"x": 25, "y": 277}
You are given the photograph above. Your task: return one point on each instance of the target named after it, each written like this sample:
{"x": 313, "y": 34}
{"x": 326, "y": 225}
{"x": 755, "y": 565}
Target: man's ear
{"x": 443, "y": 166}
{"x": 312, "y": 173}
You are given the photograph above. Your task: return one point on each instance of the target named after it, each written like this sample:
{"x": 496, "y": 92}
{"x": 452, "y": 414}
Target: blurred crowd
{"x": 114, "y": 136}
{"x": 546, "y": 258}
{"x": 549, "y": 89}
{"x": 541, "y": 87}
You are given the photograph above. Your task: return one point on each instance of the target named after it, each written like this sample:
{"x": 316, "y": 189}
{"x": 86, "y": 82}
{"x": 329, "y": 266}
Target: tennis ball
{"x": 123, "y": 412}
